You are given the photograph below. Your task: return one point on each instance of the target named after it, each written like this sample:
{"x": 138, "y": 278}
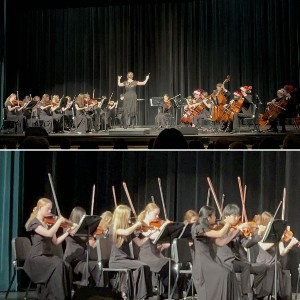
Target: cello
{"x": 233, "y": 108}
{"x": 219, "y": 100}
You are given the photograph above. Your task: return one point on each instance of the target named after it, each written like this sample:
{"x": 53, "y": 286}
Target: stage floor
{"x": 139, "y": 137}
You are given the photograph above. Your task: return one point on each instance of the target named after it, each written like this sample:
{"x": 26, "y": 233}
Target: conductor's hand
{"x": 147, "y": 77}
{"x": 119, "y": 77}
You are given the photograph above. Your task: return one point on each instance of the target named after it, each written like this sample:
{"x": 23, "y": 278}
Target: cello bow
{"x": 93, "y": 200}
{"x": 215, "y": 196}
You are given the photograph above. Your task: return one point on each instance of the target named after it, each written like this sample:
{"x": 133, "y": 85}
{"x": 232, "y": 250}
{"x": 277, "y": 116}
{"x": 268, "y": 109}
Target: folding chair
{"x": 20, "y": 249}
{"x": 251, "y": 119}
{"x": 181, "y": 255}
{"x": 103, "y": 246}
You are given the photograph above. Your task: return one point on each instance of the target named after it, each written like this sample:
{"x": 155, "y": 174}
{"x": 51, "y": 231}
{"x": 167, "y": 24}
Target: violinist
{"x": 233, "y": 255}
{"x": 45, "y": 113}
{"x": 56, "y": 113}
{"x": 210, "y": 277}
{"x": 83, "y": 121}
{"x": 67, "y": 111}
{"x": 150, "y": 253}
{"x": 120, "y": 110}
{"x": 76, "y": 251}
{"x": 266, "y": 255}
{"x": 14, "y": 112}
{"x": 121, "y": 233}
{"x": 52, "y": 275}
{"x": 105, "y": 222}
{"x": 241, "y": 107}
{"x": 90, "y": 111}
{"x": 190, "y": 216}
{"x": 286, "y": 97}
{"x": 165, "y": 112}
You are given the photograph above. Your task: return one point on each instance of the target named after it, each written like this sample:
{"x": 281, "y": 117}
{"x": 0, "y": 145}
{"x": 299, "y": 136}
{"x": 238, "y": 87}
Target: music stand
{"x": 87, "y": 226}
{"x": 186, "y": 232}
{"x": 273, "y": 234}
{"x": 168, "y": 232}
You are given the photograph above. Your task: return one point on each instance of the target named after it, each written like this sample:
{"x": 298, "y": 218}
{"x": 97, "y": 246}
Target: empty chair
{"x": 20, "y": 249}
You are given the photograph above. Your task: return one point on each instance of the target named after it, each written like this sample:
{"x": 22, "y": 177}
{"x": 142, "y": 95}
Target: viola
{"x": 17, "y": 102}
{"x": 51, "y": 219}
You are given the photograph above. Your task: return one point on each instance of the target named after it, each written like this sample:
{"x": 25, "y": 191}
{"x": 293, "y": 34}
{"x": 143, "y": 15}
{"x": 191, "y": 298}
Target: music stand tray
{"x": 274, "y": 231}
{"x": 169, "y": 232}
{"x": 156, "y": 101}
{"x": 87, "y": 225}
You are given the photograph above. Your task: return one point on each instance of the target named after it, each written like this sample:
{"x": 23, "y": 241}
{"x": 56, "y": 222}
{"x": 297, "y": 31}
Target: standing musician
{"x": 211, "y": 279}
{"x": 165, "y": 112}
{"x": 76, "y": 251}
{"x": 238, "y": 108}
{"x": 121, "y": 233}
{"x": 288, "y": 111}
{"x": 14, "y": 112}
{"x": 130, "y": 98}
{"x": 52, "y": 275}
{"x": 233, "y": 255}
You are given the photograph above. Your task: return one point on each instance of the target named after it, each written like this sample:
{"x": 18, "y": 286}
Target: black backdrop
{"x": 183, "y": 176}
{"x": 67, "y": 47}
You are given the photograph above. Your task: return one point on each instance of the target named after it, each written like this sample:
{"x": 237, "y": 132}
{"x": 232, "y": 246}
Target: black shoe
{"x": 228, "y": 130}
{"x": 283, "y": 130}
{"x": 272, "y": 129}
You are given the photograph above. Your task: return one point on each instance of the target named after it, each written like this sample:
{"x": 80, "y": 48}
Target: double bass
{"x": 218, "y": 109}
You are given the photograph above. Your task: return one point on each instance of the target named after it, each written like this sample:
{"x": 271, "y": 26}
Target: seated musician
{"x": 67, "y": 111}
{"x": 83, "y": 121}
{"x": 166, "y": 111}
{"x": 45, "y": 113}
{"x": 289, "y": 111}
{"x": 56, "y": 113}
{"x": 14, "y": 112}
{"x": 233, "y": 255}
{"x": 120, "y": 110}
{"x": 245, "y": 110}
{"x": 206, "y": 112}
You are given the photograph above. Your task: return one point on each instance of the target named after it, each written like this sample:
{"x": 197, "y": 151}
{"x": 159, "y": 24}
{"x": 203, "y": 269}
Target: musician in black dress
{"x": 52, "y": 275}
{"x": 14, "y": 112}
{"x": 233, "y": 255}
{"x": 45, "y": 113}
{"x": 121, "y": 234}
{"x": 76, "y": 251}
{"x": 67, "y": 106}
{"x": 211, "y": 279}
{"x": 165, "y": 113}
{"x": 83, "y": 120}
{"x": 130, "y": 98}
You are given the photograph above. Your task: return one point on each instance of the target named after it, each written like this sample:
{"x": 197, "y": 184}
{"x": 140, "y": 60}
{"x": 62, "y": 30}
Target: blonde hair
{"x": 106, "y": 220}
{"x": 9, "y": 97}
{"x": 120, "y": 220}
{"x": 189, "y": 215}
{"x": 148, "y": 208}
{"x": 41, "y": 202}
{"x": 266, "y": 217}
{"x": 80, "y": 100}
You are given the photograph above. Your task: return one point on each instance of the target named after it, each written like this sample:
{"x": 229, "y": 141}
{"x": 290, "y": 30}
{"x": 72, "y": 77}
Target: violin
{"x": 288, "y": 235}
{"x": 51, "y": 219}
{"x": 17, "y": 102}
{"x": 157, "y": 223}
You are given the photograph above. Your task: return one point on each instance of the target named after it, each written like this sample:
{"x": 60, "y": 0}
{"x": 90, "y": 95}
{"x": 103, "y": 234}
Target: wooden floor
{"x": 139, "y": 137}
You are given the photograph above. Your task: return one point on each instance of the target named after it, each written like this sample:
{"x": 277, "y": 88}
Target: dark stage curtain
{"x": 67, "y": 47}
{"x": 183, "y": 176}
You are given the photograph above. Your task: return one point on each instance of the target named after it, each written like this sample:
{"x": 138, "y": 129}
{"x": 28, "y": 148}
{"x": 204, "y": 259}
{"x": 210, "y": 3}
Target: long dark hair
{"x": 204, "y": 213}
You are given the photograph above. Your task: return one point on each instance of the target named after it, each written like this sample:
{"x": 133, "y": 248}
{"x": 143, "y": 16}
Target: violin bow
{"x": 215, "y": 196}
{"x": 243, "y": 199}
{"x": 277, "y": 209}
{"x": 129, "y": 199}
{"x": 207, "y": 197}
{"x": 54, "y": 195}
{"x": 283, "y": 204}
{"x": 222, "y": 201}
{"x": 162, "y": 198}
{"x": 114, "y": 195}
{"x": 93, "y": 93}
{"x": 152, "y": 199}
{"x": 93, "y": 200}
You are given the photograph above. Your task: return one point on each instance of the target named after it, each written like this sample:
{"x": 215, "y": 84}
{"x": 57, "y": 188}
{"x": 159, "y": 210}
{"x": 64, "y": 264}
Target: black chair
{"x": 103, "y": 246}
{"x": 252, "y": 119}
{"x": 20, "y": 249}
{"x": 8, "y": 125}
{"x": 181, "y": 255}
